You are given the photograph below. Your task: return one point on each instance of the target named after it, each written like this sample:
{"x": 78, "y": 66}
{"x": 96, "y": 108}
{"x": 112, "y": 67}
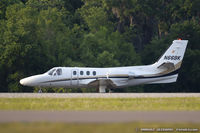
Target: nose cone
{"x": 31, "y": 81}
{"x": 22, "y": 81}
{"x": 26, "y": 81}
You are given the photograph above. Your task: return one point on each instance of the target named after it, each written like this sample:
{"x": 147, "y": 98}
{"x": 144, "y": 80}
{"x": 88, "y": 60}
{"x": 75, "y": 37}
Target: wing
{"x": 99, "y": 82}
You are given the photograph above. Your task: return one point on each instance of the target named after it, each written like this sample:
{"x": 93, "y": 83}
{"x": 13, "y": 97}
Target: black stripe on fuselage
{"x": 159, "y": 76}
{"x": 68, "y": 79}
{"x": 105, "y": 77}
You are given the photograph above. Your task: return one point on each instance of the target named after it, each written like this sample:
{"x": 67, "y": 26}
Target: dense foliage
{"x": 36, "y": 35}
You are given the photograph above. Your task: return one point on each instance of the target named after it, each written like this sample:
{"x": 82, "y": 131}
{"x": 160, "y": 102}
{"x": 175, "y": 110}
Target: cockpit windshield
{"x": 50, "y": 72}
{"x": 55, "y": 72}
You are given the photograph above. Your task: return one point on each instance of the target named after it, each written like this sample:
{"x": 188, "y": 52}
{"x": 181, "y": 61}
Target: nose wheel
{"x": 40, "y": 90}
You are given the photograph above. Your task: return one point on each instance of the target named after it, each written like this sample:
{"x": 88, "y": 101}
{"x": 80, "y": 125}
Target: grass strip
{"x": 101, "y": 104}
{"x": 42, "y": 127}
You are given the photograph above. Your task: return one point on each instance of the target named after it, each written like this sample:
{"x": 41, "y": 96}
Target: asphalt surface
{"x": 96, "y": 95}
{"x": 98, "y": 116}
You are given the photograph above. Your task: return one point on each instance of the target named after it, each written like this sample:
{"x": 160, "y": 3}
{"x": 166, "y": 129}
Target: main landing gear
{"x": 102, "y": 89}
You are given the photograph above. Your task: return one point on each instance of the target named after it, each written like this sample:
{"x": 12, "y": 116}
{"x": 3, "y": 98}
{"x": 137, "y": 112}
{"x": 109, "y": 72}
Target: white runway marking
{"x": 97, "y": 95}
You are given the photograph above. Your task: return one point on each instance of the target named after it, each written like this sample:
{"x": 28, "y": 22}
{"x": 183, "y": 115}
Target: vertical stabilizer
{"x": 174, "y": 54}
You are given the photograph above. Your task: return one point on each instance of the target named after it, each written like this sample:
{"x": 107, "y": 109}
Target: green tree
{"x": 107, "y": 49}
{"x": 36, "y": 35}
{"x": 94, "y": 15}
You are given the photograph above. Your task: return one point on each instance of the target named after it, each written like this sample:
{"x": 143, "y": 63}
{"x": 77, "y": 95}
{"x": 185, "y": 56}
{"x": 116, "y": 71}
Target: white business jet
{"x": 165, "y": 70}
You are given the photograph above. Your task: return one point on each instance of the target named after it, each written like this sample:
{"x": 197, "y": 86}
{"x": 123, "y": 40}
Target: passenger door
{"x": 74, "y": 77}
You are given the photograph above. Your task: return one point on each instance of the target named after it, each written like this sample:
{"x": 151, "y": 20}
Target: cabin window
{"x": 51, "y": 71}
{"x": 88, "y": 72}
{"x": 74, "y": 72}
{"x": 81, "y": 72}
{"x": 59, "y": 71}
{"x": 94, "y": 73}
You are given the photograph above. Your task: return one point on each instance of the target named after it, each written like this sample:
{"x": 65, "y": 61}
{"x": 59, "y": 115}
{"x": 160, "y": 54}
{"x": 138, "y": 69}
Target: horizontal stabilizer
{"x": 167, "y": 65}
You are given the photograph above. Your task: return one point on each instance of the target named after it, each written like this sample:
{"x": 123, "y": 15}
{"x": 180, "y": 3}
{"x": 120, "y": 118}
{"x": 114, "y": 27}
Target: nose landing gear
{"x": 40, "y": 90}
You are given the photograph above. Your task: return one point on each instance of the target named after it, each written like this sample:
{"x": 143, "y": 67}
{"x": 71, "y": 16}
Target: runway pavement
{"x": 99, "y": 116}
{"x": 96, "y": 95}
